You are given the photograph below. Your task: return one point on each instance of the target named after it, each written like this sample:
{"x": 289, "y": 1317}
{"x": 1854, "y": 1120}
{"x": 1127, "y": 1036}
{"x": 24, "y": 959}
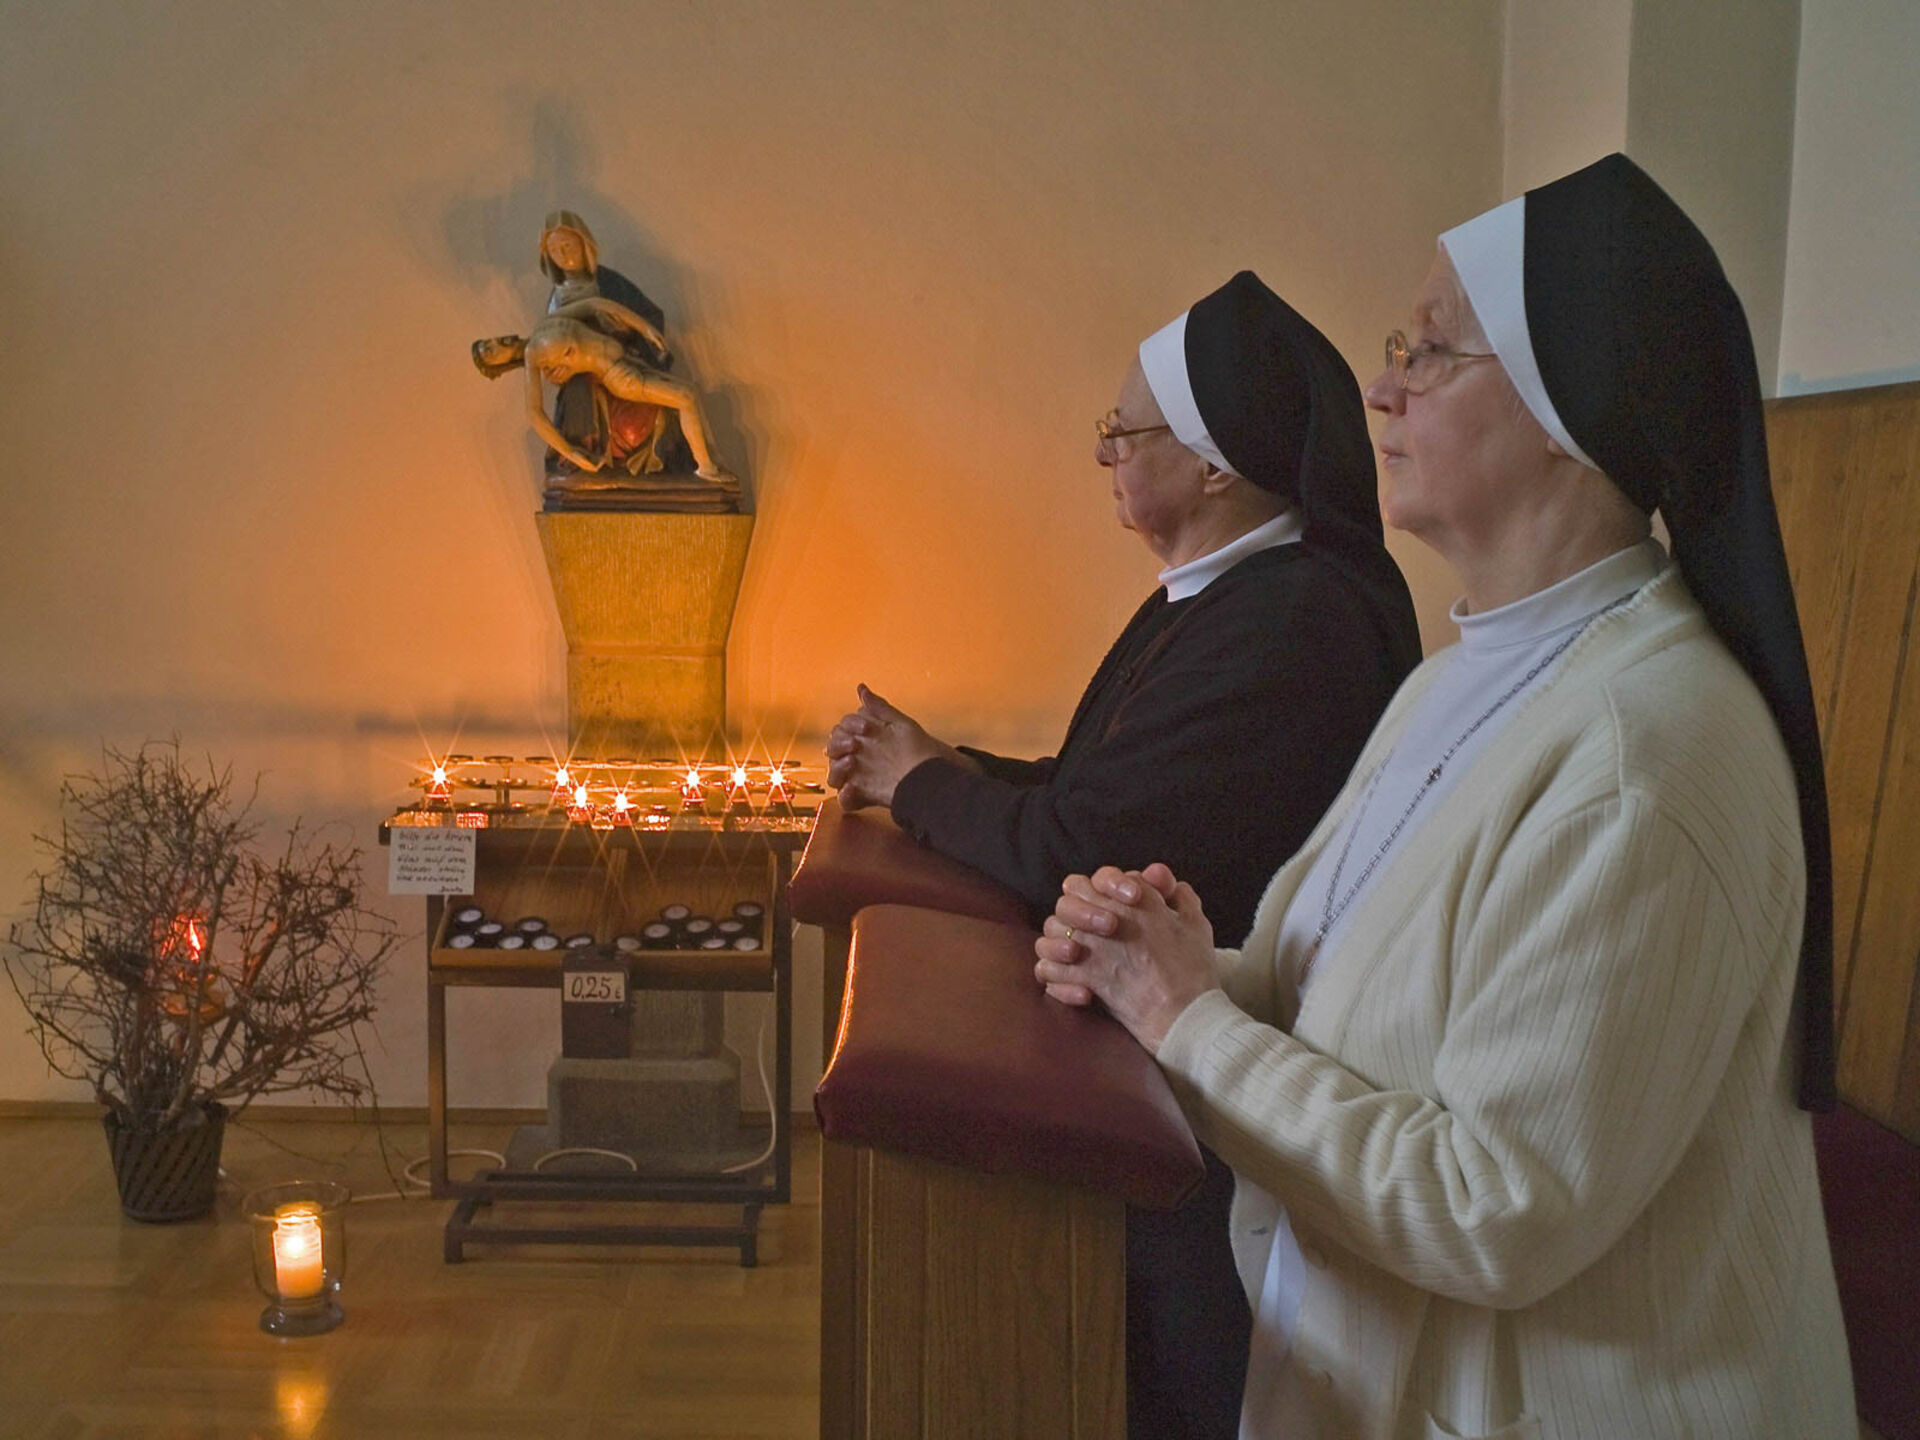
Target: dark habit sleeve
{"x": 1230, "y": 737}
{"x": 1006, "y": 767}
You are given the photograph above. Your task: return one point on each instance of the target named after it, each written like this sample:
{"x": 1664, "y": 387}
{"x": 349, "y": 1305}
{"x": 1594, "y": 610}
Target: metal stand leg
{"x": 750, "y": 1238}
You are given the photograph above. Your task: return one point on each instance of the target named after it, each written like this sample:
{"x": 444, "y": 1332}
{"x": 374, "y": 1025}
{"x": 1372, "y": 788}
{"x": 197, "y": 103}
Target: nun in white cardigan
{"x": 1513, "y": 1068}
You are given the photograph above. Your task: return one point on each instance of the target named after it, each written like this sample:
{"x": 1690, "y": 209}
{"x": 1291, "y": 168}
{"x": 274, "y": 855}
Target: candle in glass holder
{"x": 298, "y": 1271}
{"x": 298, "y": 1230}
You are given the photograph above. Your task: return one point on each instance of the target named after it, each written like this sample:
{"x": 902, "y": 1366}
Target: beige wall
{"x": 256, "y": 494}
{"x": 1699, "y": 92}
{"x": 1852, "y": 309}
{"x": 1710, "y": 115}
{"x": 1565, "y": 101}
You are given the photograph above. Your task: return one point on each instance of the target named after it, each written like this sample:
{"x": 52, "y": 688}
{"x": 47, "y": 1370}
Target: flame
{"x": 186, "y": 939}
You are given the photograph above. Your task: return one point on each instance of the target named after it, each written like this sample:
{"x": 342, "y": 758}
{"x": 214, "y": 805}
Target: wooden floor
{"x": 150, "y": 1332}
{"x": 110, "y": 1328}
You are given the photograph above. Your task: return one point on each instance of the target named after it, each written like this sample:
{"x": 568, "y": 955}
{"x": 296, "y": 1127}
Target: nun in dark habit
{"x": 1513, "y": 1069}
{"x": 1212, "y": 736}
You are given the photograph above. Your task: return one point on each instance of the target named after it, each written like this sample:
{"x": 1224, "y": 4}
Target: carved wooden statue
{"x": 603, "y": 347}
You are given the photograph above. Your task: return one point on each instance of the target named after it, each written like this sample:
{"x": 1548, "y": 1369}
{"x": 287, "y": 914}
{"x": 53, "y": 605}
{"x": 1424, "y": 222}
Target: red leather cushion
{"x": 950, "y": 1050}
{"x": 862, "y": 859}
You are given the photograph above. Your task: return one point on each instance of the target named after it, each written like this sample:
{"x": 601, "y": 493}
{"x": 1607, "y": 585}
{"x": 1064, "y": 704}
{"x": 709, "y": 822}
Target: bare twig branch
{"x": 168, "y": 962}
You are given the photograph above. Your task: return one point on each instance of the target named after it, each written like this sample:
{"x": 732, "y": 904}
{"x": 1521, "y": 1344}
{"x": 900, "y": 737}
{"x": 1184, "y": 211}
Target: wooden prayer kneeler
{"x": 982, "y": 1142}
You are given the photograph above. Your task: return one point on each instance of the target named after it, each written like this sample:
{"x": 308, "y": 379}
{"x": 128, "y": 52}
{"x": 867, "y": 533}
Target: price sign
{"x": 594, "y": 1021}
{"x": 594, "y": 987}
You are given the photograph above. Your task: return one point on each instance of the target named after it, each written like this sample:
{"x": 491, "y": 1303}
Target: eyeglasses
{"x": 1419, "y": 368}
{"x": 1111, "y": 432}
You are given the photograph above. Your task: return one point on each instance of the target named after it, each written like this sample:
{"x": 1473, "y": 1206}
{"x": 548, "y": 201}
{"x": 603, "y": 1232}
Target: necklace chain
{"x": 1330, "y": 910}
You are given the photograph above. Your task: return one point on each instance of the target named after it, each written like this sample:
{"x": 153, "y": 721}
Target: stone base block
{"x": 646, "y": 1105}
{"x": 677, "y": 1024}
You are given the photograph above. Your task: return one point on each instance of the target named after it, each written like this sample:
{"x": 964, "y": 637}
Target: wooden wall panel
{"x": 1846, "y": 475}
{"x": 1890, "y": 926}
{"x": 994, "y": 1307}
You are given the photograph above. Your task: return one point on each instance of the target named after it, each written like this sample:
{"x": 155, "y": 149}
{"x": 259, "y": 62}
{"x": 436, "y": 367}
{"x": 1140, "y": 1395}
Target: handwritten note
{"x": 424, "y": 861}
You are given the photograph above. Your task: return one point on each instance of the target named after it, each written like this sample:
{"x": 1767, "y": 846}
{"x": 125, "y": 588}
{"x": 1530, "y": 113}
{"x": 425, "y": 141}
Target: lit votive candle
{"x": 298, "y": 1271}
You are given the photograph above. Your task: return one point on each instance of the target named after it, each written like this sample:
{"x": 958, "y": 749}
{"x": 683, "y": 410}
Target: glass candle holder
{"x": 299, "y": 1232}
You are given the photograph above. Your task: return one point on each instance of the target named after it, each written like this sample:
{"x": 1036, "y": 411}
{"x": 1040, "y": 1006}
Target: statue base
{"x": 646, "y": 600}
{"x": 681, "y": 494}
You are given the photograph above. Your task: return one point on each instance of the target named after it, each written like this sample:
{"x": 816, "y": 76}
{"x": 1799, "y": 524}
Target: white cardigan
{"x": 1534, "y": 1124}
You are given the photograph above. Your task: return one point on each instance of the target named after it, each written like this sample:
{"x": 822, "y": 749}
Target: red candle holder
{"x": 693, "y": 792}
{"x": 737, "y": 791}
{"x": 779, "y": 787}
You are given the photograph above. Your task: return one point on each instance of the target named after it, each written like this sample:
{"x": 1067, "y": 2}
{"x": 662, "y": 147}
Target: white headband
{"x": 1489, "y": 255}
{"x": 1163, "y": 357}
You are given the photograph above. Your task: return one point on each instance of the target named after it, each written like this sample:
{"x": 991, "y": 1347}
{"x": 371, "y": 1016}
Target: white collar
{"x": 1568, "y": 602}
{"x": 1183, "y": 582}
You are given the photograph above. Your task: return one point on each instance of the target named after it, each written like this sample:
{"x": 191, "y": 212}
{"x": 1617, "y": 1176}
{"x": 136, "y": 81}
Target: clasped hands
{"x": 870, "y": 750}
{"x": 1135, "y": 940}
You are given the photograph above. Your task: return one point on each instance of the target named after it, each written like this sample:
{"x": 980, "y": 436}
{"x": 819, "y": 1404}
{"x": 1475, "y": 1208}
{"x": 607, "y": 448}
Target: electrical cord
{"x": 409, "y": 1175}
{"x": 414, "y": 1180}
{"x": 628, "y": 1160}
{"x": 766, "y": 1089}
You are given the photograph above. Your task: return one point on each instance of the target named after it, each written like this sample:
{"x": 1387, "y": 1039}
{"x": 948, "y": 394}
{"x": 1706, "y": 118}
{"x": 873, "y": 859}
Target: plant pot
{"x": 167, "y": 1174}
